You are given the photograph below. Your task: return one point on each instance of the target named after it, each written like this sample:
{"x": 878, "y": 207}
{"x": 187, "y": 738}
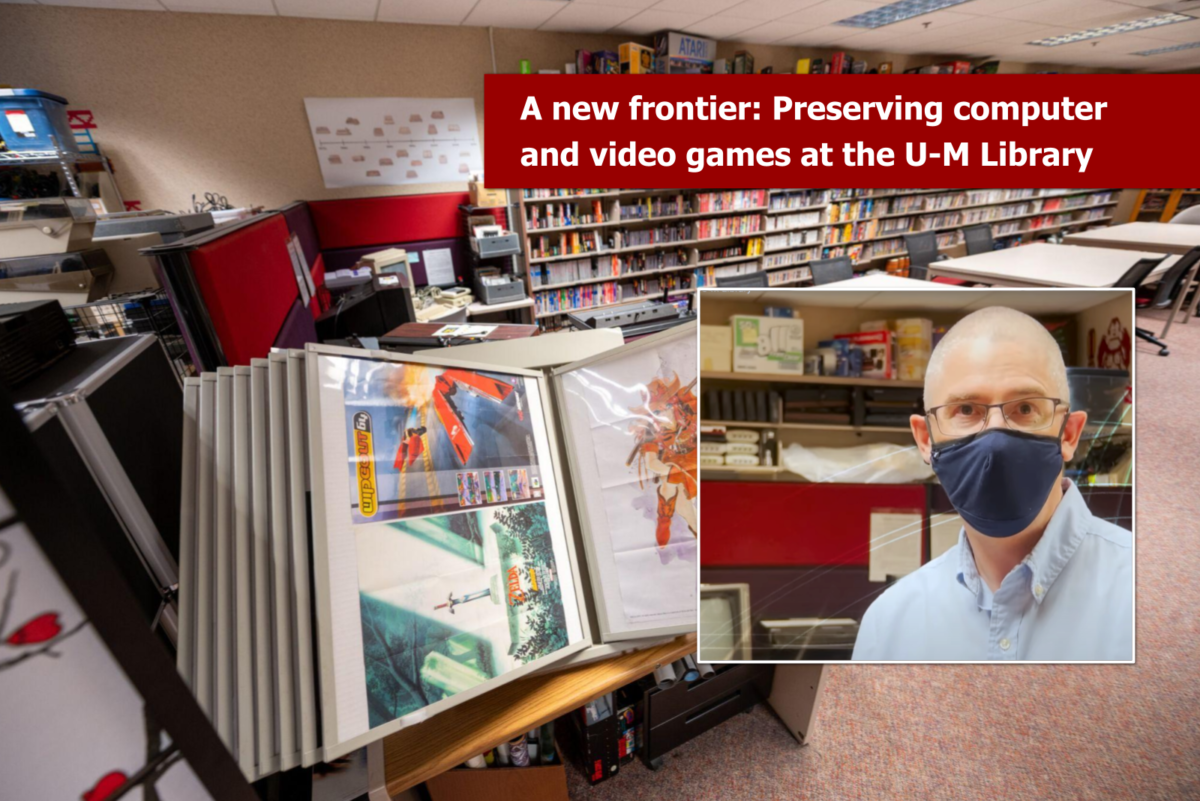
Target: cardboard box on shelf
{"x": 485, "y": 198}
{"x": 606, "y": 62}
{"x": 683, "y": 54}
{"x": 767, "y": 344}
{"x": 716, "y": 349}
{"x": 636, "y": 59}
{"x": 914, "y": 344}
{"x": 876, "y": 347}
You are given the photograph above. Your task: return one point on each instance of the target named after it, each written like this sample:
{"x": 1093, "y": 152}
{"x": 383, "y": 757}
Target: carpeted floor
{"x": 1100, "y": 732}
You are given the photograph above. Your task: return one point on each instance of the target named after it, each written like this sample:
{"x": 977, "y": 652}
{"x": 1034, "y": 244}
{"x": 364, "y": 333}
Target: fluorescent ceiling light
{"x": 1160, "y": 50}
{"x": 896, "y": 12}
{"x": 1111, "y": 30}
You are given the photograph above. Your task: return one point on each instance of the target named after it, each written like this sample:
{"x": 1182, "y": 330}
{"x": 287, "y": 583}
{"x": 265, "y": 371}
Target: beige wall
{"x": 195, "y": 103}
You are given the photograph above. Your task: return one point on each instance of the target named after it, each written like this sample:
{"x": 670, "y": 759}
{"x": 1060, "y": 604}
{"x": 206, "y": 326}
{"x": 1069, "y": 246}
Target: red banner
{"x": 732, "y": 131}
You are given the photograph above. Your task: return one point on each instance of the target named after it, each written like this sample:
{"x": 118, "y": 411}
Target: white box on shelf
{"x": 767, "y": 344}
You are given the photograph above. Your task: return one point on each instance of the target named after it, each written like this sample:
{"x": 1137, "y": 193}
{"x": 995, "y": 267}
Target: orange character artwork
{"x": 666, "y": 434}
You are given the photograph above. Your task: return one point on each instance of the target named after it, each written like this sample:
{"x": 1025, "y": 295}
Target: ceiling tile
{"x": 770, "y": 32}
{"x": 653, "y": 21}
{"x": 821, "y": 37}
{"x": 513, "y": 13}
{"x": 642, "y": 4}
{"x": 767, "y": 9}
{"x": 587, "y": 18}
{"x": 425, "y": 12}
{"x": 262, "y": 7}
{"x": 321, "y": 9}
{"x": 125, "y": 5}
{"x": 696, "y": 6}
{"x": 991, "y": 7}
{"x": 1073, "y": 13}
{"x": 719, "y": 27}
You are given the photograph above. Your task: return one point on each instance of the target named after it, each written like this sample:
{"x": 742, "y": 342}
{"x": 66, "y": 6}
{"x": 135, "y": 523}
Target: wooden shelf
{"x": 785, "y": 378}
{"x": 691, "y": 215}
{"x": 428, "y": 749}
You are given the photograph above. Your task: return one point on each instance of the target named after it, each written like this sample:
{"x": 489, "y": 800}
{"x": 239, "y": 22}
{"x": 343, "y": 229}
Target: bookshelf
{"x": 1160, "y": 205}
{"x": 591, "y": 249}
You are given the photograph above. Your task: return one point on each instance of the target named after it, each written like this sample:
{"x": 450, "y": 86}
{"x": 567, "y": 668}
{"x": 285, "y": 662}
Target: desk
{"x": 884, "y": 281}
{"x": 478, "y": 309}
{"x": 1043, "y": 265}
{"x": 1145, "y": 236}
{"x": 425, "y": 750}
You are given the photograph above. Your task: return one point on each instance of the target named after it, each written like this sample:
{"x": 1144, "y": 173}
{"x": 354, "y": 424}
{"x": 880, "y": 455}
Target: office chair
{"x": 978, "y": 239}
{"x": 1189, "y": 216}
{"x": 922, "y": 251}
{"x": 827, "y": 271}
{"x": 1134, "y": 276}
{"x": 1169, "y": 287}
{"x": 744, "y": 280}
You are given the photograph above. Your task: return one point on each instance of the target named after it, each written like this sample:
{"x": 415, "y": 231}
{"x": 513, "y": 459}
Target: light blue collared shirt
{"x": 1070, "y": 599}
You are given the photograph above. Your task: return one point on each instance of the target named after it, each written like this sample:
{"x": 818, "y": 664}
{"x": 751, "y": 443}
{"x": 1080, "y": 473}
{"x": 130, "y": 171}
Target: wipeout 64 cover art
{"x": 429, "y": 440}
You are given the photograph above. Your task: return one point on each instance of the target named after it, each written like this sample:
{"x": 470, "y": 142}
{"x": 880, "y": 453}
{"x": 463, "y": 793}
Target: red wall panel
{"x": 748, "y": 524}
{"x": 359, "y": 222}
{"x": 248, "y": 285}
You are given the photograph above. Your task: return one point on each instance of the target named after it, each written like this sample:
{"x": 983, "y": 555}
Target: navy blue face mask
{"x": 998, "y": 479}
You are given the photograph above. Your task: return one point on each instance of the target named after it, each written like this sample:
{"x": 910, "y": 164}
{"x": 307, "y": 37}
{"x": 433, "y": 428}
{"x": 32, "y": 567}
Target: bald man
{"x": 1034, "y": 576}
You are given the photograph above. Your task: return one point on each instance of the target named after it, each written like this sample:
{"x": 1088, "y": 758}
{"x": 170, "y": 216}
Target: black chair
{"x": 744, "y": 280}
{"x": 922, "y": 251}
{"x": 979, "y": 239}
{"x": 1168, "y": 290}
{"x": 827, "y": 271}
{"x": 1136, "y": 274}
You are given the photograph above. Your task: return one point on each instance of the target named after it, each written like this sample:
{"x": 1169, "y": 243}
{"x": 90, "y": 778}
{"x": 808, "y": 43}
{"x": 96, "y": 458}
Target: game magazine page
{"x": 448, "y": 562}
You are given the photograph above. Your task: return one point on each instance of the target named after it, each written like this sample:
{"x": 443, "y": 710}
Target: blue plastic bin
{"x": 31, "y": 120}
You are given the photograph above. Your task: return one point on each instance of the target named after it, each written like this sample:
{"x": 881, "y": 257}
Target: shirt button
{"x": 1005, "y": 644}
{"x": 1039, "y": 590}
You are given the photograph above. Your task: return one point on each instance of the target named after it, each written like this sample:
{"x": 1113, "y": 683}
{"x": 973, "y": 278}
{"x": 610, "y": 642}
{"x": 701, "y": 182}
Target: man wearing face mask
{"x": 1034, "y": 576}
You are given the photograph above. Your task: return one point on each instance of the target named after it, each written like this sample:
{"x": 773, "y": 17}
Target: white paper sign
{"x": 439, "y": 267}
{"x": 388, "y": 141}
{"x": 895, "y": 544}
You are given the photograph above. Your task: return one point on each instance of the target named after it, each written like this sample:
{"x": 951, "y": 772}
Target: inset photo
{"x": 938, "y": 474}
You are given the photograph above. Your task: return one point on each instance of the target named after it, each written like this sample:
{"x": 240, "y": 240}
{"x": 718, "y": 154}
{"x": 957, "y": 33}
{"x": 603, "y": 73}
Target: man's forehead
{"x": 982, "y": 367}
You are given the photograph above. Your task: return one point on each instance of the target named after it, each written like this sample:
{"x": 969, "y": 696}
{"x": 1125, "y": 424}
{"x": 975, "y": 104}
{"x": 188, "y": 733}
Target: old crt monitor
{"x": 724, "y": 622}
{"x": 370, "y": 310}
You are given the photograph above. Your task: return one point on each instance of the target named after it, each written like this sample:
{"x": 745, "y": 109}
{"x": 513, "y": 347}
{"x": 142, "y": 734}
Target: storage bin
{"x": 31, "y": 120}
{"x": 512, "y": 289}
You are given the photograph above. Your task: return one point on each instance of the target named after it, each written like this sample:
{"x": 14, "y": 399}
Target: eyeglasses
{"x": 963, "y": 418}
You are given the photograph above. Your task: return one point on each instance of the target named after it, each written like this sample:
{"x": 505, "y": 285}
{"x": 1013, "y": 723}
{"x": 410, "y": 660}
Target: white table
{"x": 1044, "y": 265}
{"x": 1145, "y": 236}
{"x": 884, "y": 281}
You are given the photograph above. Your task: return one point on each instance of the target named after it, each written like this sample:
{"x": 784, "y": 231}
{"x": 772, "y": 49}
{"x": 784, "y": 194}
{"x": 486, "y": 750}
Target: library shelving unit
{"x": 1160, "y": 205}
{"x": 594, "y": 248}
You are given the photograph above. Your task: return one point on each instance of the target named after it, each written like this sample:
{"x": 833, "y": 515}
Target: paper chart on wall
{"x": 632, "y": 424}
{"x": 387, "y": 141}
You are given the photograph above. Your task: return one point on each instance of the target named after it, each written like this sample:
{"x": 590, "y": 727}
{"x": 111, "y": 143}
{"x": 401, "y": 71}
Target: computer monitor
{"x": 744, "y": 280}
{"x": 724, "y": 622}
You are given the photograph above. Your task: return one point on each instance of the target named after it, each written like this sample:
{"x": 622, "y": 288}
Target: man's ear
{"x": 920, "y": 431}
{"x": 1072, "y": 432}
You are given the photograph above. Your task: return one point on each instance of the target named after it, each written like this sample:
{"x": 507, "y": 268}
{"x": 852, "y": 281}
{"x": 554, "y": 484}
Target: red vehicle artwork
{"x": 666, "y": 436}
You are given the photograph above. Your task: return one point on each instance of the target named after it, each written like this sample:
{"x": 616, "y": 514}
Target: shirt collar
{"x": 1061, "y": 539}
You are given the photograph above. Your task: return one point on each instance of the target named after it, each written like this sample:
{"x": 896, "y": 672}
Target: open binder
{"x": 397, "y": 534}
